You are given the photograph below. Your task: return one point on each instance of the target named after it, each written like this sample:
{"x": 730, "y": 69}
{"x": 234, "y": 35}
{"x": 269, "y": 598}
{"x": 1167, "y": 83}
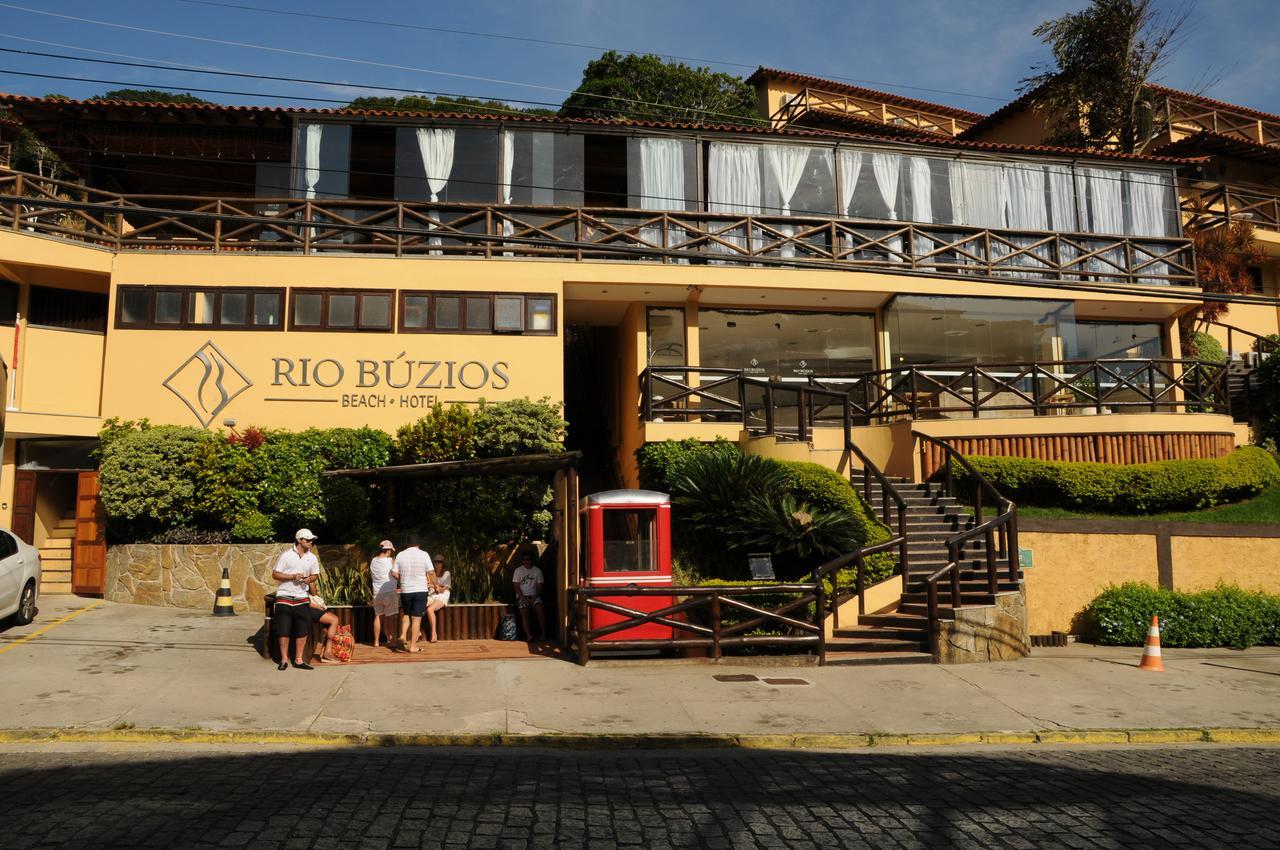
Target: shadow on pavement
{"x": 1096, "y": 797}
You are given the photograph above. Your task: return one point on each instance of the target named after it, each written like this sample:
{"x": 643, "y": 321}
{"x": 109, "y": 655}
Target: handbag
{"x": 507, "y": 628}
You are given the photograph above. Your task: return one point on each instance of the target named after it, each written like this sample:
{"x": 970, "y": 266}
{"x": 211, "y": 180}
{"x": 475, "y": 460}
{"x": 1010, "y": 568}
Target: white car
{"x": 19, "y": 579}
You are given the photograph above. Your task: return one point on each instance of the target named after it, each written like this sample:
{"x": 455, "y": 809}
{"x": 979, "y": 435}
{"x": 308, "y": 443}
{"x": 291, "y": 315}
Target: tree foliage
{"x": 1095, "y": 94}
{"x": 149, "y": 96}
{"x": 646, "y": 87}
{"x": 444, "y": 103}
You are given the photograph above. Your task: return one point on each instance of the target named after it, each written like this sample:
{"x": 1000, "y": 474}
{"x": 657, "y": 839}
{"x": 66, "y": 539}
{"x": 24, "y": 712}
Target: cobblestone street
{"x": 262, "y": 797}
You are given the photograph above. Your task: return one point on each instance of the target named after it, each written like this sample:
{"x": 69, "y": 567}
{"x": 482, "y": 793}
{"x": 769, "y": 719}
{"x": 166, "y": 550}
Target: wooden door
{"x": 24, "y": 505}
{"x": 89, "y": 557}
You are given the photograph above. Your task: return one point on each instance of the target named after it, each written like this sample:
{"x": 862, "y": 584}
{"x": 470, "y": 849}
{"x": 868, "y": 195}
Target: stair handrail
{"x": 1261, "y": 344}
{"x": 1002, "y": 528}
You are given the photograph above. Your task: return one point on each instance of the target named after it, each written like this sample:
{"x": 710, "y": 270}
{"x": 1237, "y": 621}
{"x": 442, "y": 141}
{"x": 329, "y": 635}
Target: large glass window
{"x": 662, "y": 174}
{"x": 322, "y": 161}
{"x": 666, "y": 336}
{"x": 542, "y": 168}
{"x": 1117, "y": 340}
{"x": 787, "y": 345}
{"x": 465, "y": 158}
{"x": 927, "y": 329}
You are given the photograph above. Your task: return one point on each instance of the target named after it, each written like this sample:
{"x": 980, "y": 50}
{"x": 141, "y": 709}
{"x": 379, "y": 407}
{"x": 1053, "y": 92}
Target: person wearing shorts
{"x": 386, "y": 595}
{"x": 528, "y": 583}
{"x": 296, "y": 570}
{"x": 410, "y": 569}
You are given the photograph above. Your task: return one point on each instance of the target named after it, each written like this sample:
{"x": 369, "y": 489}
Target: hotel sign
{"x": 208, "y": 381}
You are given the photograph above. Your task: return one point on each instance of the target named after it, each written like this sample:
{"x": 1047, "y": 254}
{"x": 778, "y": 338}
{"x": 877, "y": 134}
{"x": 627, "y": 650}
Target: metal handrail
{"x": 1001, "y": 529}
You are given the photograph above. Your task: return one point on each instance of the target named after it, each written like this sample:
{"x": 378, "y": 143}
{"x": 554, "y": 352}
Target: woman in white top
{"x": 440, "y": 581}
{"x": 386, "y": 594}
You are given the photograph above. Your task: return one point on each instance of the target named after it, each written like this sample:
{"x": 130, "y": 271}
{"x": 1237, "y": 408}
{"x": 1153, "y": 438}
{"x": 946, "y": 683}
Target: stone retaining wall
{"x": 986, "y": 633}
{"x": 188, "y": 576}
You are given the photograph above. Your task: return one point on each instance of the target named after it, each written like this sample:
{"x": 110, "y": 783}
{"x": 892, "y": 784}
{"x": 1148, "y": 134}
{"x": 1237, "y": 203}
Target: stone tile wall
{"x": 188, "y": 576}
{"x": 986, "y": 633}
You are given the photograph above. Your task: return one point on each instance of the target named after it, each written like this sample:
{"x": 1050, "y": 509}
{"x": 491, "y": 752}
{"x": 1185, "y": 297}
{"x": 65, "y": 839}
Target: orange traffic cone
{"x": 1151, "y": 652}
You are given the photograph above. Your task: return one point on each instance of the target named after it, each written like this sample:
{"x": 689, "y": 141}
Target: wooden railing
{"x": 1257, "y": 343}
{"x": 843, "y": 103}
{"x": 999, "y": 535}
{"x": 792, "y": 410}
{"x": 1204, "y": 207}
{"x": 792, "y": 619}
{"x": 1189, "y": 115}
{"x": 289, "y": 225}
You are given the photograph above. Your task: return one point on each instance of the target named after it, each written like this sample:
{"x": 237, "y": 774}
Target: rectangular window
{"x": 630, "y": 541}
{"x": 68, "y": 309}
{"x": 176, "y": 307}
{"x": 8, "y": 302}
{"x": 341, "y": 310}
{"x": 477, "y": 312}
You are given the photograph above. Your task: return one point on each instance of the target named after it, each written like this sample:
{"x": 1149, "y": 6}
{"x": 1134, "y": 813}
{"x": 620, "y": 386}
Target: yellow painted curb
{"x": 1084, "y": 736}
{"x": 832, "y": 742}
{"x": 1167, "y": 736}
{"x": 767, "y": 742}
{"x": 879, "y": 740}
{"x": 1010, "y": 738}
{"x": 1243, "y": 736}
{"x": 944, "y": 739}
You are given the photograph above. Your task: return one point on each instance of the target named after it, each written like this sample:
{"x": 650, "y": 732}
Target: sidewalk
{"x": 124, "y": 666}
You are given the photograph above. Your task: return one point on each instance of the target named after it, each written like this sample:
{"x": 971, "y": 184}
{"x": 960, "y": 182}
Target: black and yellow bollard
{"x": 222, "y": 604}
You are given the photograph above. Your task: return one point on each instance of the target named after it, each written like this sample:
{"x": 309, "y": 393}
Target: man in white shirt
{"x": 528, "y": 582}
{"x": 296, "y": 571}
{"x": 411, "y": 568}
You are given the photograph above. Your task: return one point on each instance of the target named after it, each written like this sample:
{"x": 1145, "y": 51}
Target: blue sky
{"x": 967, "y": 53}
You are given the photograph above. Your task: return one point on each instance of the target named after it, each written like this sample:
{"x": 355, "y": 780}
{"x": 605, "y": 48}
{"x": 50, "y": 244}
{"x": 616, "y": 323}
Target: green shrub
{"x": 1224, "y": 616}
{"x": 726, "y": 504}
{"x": 148, "y": 480}
{"x": 1264, "y": 402}
{"x": 445, "y": 433}
{"x": 253, "y": 527}
{"x": 1206, "y": 347}
{"x": 1129, "y": 489}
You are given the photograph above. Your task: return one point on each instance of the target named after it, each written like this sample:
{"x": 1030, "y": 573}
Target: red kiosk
{"x": 626, "y": 536}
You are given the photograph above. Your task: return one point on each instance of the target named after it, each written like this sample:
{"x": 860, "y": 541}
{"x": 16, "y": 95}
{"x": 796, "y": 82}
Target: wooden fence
{"x": 1099, "y": 448}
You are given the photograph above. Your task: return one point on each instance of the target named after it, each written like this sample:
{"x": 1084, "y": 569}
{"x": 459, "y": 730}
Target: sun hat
{"x": 304, "y": 534}
{"x": 386, "y": 544}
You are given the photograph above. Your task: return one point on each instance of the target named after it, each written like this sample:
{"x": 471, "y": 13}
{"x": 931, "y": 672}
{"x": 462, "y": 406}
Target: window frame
{"x": 183, "y": 323}
{"x": 325, "y": 294}
{"x": 462, "y": 296}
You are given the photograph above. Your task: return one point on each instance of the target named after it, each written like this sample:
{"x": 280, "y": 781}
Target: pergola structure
{"x": 564, "y": 505}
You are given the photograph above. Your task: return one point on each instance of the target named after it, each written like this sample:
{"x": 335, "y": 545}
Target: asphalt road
{"x": 183, "y": 796}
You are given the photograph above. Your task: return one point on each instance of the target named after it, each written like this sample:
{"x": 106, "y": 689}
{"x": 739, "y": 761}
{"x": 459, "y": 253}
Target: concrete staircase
{"x": 55, "y": 557}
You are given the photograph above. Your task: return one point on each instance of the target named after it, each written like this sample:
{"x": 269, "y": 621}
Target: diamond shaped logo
{"x": 206, "y": 382}
{"x": 755, "y": 362}
{"x": 804, "y": 363}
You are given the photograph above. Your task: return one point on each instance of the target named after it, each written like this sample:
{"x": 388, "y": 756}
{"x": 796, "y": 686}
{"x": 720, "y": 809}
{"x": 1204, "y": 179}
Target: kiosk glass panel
{"x": 630, "y": 540}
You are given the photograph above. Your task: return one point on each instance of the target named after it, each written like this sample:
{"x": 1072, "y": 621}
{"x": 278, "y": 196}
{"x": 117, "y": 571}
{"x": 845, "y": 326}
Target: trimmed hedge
{"x": 809, "y": 483}
{"x": 1134, "y": 489}
{"x": 1224, "y": 616}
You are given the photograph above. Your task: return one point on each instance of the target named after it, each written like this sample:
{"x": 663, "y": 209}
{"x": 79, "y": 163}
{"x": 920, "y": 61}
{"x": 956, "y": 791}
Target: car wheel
{"x": 26, "y": 606}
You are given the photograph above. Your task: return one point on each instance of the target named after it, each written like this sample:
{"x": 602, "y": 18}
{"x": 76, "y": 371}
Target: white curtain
{"x": 920, "y": 182}
{"x": 1027, "y": 208}
{"x": 508, "y": 163}
{"x": 1150, "y": 196}
{"x": 980, "y": 193}
{"x": 661, "y": 181}
{"x": 312, "y": 163}
{"x": 886, "y": 167}
{"x": 733, "y": 186}
{"x": 850, "y": 168}
{"x": 1106, "y": 211}
{"x": 1062, "y": 210}
{"x": 436, "y": 148}
{"x": 786, "y": 165}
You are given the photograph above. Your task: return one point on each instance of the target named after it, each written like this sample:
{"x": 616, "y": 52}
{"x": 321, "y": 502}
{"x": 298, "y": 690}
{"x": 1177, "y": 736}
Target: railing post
{"x": 646, "y": 402}
{"x": 217, "y": 227}
{"x": 859, "y": 584}
{"x": 992, "y": 583}
{"x": 1015, "y": 558}
{"x": 820, "y": 616}
{"x": 1151, "y": 384}
{"x": 974, "y": 374}
{"x": 931, "y": 602}
{"x": 584, "y": 627}
{"x": 768, "y": 408}
{"x": 955, "y": 582}
{"x": 742, "y": 399}
{"x": 715, "y": 624}
{"x": 803, "y": 412}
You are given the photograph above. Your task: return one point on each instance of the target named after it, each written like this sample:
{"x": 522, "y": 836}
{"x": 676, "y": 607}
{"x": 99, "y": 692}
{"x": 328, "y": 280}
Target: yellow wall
{"x": 61, "y": 371}
{"x": 632, "y": 346}
{"x": 1071, "y": 569}
{"x": 1201, "y": 562}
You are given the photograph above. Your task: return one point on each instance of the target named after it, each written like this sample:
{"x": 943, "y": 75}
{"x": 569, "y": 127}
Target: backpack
{"x": 507, "y": 629}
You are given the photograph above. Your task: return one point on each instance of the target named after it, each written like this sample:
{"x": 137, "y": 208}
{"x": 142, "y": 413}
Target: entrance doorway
{"x": 591, "y": 403}
{"x": 57, "y": 509}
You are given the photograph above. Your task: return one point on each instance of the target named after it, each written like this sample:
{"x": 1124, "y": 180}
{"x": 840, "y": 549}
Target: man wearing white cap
{"x": 296, "y": 570}
{"x": 386, "y": 593}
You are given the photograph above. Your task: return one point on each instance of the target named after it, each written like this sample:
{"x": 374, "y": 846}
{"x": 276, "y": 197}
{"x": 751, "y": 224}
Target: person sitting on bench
{"x": 528, "y": 583}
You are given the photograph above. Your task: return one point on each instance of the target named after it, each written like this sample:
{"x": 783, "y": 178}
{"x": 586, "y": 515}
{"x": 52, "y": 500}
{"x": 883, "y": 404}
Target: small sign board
{"x": 1024, "y": 559}
{"x": 761, "y": 566}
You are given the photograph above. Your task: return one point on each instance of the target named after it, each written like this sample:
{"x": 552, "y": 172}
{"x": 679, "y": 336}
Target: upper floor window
{"x": 341, "y": 310}
{"x": 323, "y": 160}
{"x": 67, "y": 309}
{"x": 8, "y": 302}
{"x": 477, "y": 312}
{"x": 189, "y": 307}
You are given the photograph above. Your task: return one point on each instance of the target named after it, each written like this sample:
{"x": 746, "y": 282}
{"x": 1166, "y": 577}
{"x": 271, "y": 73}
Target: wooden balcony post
{"x": 217, "y": 227}
{"x": 820, "y": 615}
{"x": 768, "y": 408}
{"x": 715, "y": 624}
{"x": 804, "y": 410}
